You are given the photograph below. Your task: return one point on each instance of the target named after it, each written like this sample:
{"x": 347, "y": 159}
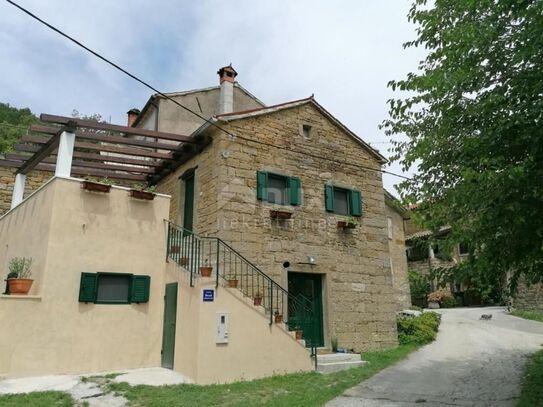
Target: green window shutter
{"x": 356, "y": 203}
{"x": 295, "y": 184}
{"x": 329, "y": 198}
{"x": 262, "y": 185}
{"x": 87, "y": 287}
{"x": 140, "y": 289}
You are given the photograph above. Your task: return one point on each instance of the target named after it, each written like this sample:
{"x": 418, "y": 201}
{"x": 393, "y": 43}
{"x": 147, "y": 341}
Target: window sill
{"x": 20, "y": 297}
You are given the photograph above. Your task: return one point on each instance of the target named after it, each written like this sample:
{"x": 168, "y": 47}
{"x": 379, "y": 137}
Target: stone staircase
{"x": 333, "y": 362}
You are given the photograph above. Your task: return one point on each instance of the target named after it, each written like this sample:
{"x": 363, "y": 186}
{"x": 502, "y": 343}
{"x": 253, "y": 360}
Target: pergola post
{"x": 18, "y": 190}
{"x": 65, "y": 154}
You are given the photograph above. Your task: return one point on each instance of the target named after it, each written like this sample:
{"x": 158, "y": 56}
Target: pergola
{"x": 88, "y": 148}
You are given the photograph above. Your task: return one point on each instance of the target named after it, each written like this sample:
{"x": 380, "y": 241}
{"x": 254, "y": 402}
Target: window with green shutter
{"x": 342, "y": 201}
{"x": 114, "y": 288}
{"x": 278, "y": 189}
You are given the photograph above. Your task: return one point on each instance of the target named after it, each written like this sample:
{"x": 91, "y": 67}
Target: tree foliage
{"x": 473, "y": 121}
{"x": 13, "y": 125}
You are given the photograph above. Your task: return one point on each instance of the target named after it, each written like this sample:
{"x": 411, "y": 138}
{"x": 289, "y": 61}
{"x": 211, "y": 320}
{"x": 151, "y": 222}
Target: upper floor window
{"x": 343, "y": 201}
{"x": 463, "y": 249}
{"x": 278, "y": 189}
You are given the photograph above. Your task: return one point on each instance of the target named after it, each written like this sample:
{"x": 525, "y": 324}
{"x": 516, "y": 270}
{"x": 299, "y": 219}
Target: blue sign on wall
{"x": 208, "y": 295}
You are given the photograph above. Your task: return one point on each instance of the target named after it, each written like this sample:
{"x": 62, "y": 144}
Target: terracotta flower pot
{"x": 19, "y": 286}
{"x": 95, "y": 187}
{"x": 232, "y": 283}
{"x": 346, "y": 225}
{"x": 280, "y": 215}
{"x": 299, "y": 335}
{"x": 143, "y": 195}
{"x": 278, "y": 318}
{"x": 257, "y": 300}
{"x": 205, "y": 271}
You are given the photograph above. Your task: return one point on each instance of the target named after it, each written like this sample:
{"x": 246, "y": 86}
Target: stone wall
{"x": 7, "y": 179}
{"x": 398, "y": 259}
{"x": 358, "y": 296}
{"x": 529, "y": 297}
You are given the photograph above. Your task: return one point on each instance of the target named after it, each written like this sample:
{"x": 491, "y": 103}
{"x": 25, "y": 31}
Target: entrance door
{"x": 306, "y": 286}
{"x": 168, "y": 334}
{"x": 188, "y": 214}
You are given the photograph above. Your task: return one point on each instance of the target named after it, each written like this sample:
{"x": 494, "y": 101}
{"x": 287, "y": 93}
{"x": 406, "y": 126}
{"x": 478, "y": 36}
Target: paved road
{"x": 471, "y": 363}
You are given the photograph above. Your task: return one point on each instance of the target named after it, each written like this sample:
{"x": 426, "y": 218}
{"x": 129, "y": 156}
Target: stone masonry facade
{"x": 359, "y": 298}
{"x": 7, "y": 179}
{"x": 529, "y": 297}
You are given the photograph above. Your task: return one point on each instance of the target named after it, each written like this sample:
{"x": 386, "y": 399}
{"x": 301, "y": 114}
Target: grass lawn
{"x": 532, "y": 386}
{"x": 526, "y": 314}
{"x": 301, "y": 389}
{"x": 39, "y": 399}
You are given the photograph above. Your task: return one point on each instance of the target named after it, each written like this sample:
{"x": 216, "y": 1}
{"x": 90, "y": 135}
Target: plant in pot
{"x": 299, "y": 333}
{"x": 281, "y": 215}
{"x": 278, "y": 317}
{"x": 436, "y": 298}
{"x": 103, "y": 186}
{"x": 232, "y": 281}
{"x": 349, "y": 223}
{"x": 257, "y": 299}
{"x": 205, "y": 271}
{"x": 19, "y": 281}
{"x": 143, "y": 193}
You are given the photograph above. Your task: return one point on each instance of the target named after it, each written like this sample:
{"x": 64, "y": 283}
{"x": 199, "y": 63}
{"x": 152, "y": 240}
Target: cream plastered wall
{"x": 70, "y": 231}
{"x": 255, "y": 348}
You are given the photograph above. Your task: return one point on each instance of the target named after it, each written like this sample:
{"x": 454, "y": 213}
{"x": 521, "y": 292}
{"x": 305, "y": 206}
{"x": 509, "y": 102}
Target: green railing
{"x": 230, "y": 268}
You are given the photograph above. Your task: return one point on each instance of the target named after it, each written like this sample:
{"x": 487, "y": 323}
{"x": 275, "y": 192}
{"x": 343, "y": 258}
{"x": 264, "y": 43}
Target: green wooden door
{"x": 168, "y": 334}
{"x": 307, "y": 288}
{"x": 188, "y": 215}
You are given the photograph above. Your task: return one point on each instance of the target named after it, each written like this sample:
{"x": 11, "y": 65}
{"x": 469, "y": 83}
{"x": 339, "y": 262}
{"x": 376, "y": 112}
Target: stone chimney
{"x": 227, "y": 76}
{"x": 132, "y": 116}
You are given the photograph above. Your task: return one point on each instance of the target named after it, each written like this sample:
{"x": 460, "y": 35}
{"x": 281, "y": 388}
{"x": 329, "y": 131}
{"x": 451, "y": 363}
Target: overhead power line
{"x": 146, "y": 84}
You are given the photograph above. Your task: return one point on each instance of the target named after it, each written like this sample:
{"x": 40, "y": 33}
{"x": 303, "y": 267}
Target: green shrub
{"x": 448, "y": 302}
{"x": 419, "y": 330}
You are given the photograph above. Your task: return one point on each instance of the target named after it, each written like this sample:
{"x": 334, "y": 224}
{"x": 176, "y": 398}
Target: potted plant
{"x": 103, "y": 186}
{"x": 281, "y": 215}
{"x": 435, "y": 298}
{"x": 143, "y": 193}
{"x": 205, "y": 271}
{"x": 19, "y": 281}
{"x": 278, "y": 317}
{"x": 299, "y": 334}
{"x": 257, "y": 300}
{"x": 349, "y": 223}
{"x": 232, "y": 281}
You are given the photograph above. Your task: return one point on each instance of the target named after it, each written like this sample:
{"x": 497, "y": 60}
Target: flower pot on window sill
{"x": 257, "y": 300}
{"x": 278, "y": 318}
{"x": 342, "y": 224}
{"x": 95, "y": 187}
{"x": 19, "y": 286}
{"x": 282, "y": 215}
{"x": 205, "y": 271}
{"x": 299, "y": 334}
{"x": 232, "y": 283}
{"x": 142, "y": 195}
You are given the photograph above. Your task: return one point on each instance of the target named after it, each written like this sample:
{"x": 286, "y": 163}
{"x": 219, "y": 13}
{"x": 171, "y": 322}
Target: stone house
{"x": 285, "y": 197}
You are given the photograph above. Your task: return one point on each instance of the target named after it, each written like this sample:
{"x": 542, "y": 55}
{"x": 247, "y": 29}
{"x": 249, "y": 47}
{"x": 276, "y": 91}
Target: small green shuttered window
{"x": 278, "y": 189}
{"x": 114, "y": 288}
{"x": 342, "y": 201}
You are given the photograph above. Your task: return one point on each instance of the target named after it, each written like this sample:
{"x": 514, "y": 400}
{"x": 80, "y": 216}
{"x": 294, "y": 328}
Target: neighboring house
{"x": 396, "y": 218}
{"x": 286, "y": 201}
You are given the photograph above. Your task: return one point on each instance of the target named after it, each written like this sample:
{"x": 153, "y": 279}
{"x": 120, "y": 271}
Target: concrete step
{"x": 333, "y": 362}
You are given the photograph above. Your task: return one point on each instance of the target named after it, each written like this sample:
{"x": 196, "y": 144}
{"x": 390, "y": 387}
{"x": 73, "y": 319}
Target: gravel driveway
{"x": 472, "y": 363}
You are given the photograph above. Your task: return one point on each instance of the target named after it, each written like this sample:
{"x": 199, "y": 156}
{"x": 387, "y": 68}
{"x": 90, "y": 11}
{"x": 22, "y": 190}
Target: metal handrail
{"x": 188, "y": 250}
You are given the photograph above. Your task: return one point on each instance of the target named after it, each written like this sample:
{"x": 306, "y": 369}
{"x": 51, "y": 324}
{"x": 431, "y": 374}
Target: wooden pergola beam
{"x": 90, "y": 124}
{"x": 107, "y": 138}
{"x": 45, "y": 150}
{"x": 140, "y": 152}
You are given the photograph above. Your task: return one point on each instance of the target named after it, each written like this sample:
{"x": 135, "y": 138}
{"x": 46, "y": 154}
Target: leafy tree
{"x": 473, "y": 117}
{"x": 13, "y": 125}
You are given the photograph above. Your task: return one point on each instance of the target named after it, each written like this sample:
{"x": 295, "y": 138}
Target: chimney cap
{"x": 134, "y": 111}
{"x": 227, "y": 73}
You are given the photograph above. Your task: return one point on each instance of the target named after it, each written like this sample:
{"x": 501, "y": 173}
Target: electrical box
{"x": 222, "y": 328}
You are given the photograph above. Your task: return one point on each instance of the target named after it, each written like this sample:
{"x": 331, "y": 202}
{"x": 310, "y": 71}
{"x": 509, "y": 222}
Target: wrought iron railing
{"x": 231, "y": 269}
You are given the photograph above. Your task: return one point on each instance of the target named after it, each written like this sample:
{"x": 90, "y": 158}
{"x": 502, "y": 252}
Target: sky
{"x": 343, "y": 52}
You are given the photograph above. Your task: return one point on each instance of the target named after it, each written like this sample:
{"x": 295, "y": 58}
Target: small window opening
{"x": 306, "y": 130}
